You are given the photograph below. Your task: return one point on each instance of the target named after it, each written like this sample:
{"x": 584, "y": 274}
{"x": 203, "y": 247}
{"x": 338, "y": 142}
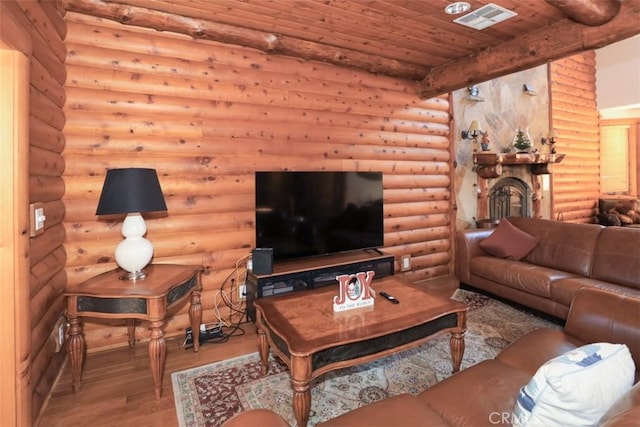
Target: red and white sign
{"x": 355, "y": 291}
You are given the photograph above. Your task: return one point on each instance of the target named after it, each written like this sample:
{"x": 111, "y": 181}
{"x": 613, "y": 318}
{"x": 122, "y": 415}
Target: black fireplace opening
{"x": 510, "y": 197}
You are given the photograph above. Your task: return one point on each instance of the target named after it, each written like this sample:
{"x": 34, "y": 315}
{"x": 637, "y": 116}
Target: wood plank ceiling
{"x": 413, "y": 39}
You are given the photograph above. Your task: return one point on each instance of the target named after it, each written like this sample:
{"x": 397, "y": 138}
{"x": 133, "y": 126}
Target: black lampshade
{"x": 131, "y": 190}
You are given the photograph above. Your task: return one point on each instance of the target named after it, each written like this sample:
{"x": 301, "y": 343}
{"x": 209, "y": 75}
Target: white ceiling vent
{"x": 486, "y": 16}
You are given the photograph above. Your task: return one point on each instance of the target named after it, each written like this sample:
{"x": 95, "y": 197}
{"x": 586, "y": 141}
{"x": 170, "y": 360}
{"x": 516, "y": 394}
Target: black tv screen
{"x": 302, "y": 214}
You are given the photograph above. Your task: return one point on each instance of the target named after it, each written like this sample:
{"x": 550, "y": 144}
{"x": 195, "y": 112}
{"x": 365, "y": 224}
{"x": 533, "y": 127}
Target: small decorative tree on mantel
{"x": 522, "y": 141}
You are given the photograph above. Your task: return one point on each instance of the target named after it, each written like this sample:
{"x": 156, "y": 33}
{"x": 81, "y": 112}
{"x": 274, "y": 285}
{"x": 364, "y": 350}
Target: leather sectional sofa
{"x": 485, "y": 394}
{"x": 564, "y": 257}
{"x": 585, "y": 273}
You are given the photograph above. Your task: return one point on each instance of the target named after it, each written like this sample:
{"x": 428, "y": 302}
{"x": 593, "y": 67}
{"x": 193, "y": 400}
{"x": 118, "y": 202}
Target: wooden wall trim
{"x": 550, "y": 113}
{"x": 12, "y": 34}
{"x": 37, "y": 30}
{"x": 452, "y": 186}
{"x": 15, "y": 325}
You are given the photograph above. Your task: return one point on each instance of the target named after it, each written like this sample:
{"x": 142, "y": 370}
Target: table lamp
{"x": 132, "y": 191}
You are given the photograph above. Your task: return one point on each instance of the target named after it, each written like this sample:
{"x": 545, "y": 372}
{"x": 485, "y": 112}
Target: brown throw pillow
{"x": 508, "y": 241}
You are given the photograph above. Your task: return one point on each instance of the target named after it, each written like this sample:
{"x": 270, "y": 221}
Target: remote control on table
{"x": 389, "y": 297}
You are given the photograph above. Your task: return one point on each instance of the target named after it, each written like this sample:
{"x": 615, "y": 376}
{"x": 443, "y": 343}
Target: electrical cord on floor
{"x": 224, "y": 330}
{"x": 235, "y": 331}
{"x": 238, "y": 275}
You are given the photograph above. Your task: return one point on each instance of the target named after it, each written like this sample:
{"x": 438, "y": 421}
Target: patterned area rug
{"x": 209, "y": 395}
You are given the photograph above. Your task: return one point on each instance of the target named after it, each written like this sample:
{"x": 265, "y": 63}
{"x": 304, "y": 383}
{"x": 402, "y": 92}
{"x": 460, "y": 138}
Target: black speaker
{"x": 262, "y": 259}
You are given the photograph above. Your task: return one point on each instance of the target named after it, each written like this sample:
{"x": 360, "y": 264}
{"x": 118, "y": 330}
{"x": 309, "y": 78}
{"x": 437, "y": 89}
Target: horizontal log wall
{"x": 574, "y": 115}
{"x": 44, "y": 23}
{"x": 207, "y": 116}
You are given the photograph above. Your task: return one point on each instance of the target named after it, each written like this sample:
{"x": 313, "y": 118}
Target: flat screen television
{"x": 303, "y": 214}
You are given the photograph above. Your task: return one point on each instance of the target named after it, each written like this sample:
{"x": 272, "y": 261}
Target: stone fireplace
{"x": 505, "y": 108}
{"x": 510, "y": 184}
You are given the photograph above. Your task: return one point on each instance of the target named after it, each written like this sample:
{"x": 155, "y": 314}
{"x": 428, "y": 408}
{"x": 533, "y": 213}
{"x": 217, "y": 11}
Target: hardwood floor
{"x": 117, "y": 388}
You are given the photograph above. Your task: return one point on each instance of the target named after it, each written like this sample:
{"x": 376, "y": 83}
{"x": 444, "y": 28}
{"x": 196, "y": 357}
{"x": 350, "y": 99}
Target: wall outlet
{"x": 242, "y": 292}
{"x": 405, "y": 264}
{"x": 59, "y": 332}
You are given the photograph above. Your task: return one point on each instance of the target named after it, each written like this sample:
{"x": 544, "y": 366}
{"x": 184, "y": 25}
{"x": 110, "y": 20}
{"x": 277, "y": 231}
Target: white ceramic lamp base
{"x": 134, "y": 252}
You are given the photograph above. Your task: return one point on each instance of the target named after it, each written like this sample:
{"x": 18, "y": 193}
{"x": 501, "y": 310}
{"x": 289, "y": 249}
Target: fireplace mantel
{"x": 489, "y": 165}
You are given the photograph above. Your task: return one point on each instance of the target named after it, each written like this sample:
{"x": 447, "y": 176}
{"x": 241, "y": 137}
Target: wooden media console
{"x": 310, "y": 273}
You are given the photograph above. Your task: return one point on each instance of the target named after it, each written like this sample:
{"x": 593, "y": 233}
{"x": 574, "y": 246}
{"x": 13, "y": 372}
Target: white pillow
{"x": 577, "y": 388}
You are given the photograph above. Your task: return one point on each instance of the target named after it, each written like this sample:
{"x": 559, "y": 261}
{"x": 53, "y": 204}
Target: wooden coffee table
{"x": 303, "y": 330}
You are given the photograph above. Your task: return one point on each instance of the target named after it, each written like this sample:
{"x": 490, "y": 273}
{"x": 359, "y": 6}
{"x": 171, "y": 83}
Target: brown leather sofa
{"x": 485, "y": 394}
{"x": 568, "y": 257}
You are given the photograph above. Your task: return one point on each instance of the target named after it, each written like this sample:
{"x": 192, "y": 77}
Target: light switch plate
{"x": 36, "y": 219}
{"x": 405, "y": 263}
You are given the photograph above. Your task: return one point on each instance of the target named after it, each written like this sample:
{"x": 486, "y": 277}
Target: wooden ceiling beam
{"x": 588, "y": 12}
{"x": 556, "y": 41}
{"x": 261, "y": 40}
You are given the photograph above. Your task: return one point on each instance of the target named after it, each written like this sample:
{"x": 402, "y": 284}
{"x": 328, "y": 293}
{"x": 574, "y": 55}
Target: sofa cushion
{"x": 576, "y": 388}
{"x": 481, "y": 395}
{"x": 508, "y": 241}
{"x": 564, "y": 246}
{"x": 523, "y": 276}
{"x": 564, "y": 290}
{"x": 401, "y": 410}
{"x": 617, "y": 256}
{"x": 536, "y": 348}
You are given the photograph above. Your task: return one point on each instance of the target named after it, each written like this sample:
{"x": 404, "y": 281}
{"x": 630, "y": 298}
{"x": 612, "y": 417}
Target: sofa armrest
{"x": 625, "y": 412}
{"x": 467, "y": 247}
{"x": 534, "y": 349}
{"x": 597, "y": 315}
{"x": 256, "y": 417}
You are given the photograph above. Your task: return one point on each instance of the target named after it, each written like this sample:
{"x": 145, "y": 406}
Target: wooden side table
{"x": 106, "y": 296}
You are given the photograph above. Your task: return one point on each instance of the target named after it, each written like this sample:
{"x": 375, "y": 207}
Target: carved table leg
{"x": 300, "y": 379}
{"x": 157, "y": 356}
{"x": 457, "y": 341}
{"x": 263, "y": 349}
{"x": 457, "y": 349}
{"x": 131, "y": 332}
{"x": 75, "y": 348}
{"x": 195, "y": 316}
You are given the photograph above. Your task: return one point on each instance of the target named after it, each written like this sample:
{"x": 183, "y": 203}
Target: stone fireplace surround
{"x": 510, "y": 184}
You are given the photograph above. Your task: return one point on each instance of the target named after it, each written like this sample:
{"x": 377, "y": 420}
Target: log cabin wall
{"x": 44, "y": 24}
{"x": 207, "y": 116}
{"x": 574, "y": 115}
